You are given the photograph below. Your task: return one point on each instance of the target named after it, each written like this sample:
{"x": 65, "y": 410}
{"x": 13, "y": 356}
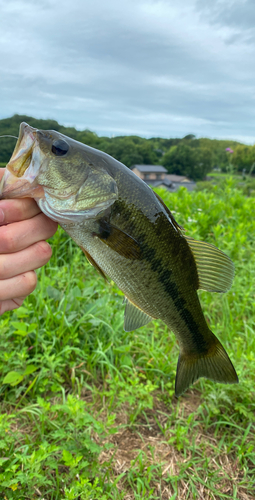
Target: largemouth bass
{"x": 128, "y": 234}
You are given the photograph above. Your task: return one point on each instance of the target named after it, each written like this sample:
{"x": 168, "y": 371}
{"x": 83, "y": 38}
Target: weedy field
{"x": 88, "y": 411}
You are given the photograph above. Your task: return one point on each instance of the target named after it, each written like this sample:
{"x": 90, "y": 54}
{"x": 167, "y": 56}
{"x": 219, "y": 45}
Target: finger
{"x": 18, "y": 286}
{"x": 28, "y": 259}
{"x": 17, "y": 210}
{"x": 2, "y": 170}
{"x": 9, "y": 305}
{"x": 19, "y": 235}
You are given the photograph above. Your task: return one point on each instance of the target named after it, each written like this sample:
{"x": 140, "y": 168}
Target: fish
{"x": 129, "y": 235}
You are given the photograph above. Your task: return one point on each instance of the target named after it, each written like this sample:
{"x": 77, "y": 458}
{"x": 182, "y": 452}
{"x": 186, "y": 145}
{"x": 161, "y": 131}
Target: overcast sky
{"x": 151, "y": 68}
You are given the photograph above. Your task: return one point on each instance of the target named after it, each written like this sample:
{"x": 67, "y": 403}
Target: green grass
{"x": 245, "y": 183}
{"x": 88, "y": 411}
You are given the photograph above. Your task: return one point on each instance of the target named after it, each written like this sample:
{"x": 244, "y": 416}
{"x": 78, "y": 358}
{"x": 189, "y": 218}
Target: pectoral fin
{"x": 118, "y": 240}
{"x": 134, "y": 317}
{"x": 215, "y": 269}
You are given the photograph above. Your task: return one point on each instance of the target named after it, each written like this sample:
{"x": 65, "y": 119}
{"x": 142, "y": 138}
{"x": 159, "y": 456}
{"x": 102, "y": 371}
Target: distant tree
{"x": 163, "y": 144}
{"x": 179, "y": 159}
{"x": 243, "y": 157}
{"x": 183, "y": 159}
{"x": 145, "y": 150}
{"x": 187, "y": 156}
{"x": 202, "y": 164}
{"x": 189, "y": 137}
{"x": 129, "y": 152}
{"x": 88, "y": 137}
{"x": 220, "y": 157}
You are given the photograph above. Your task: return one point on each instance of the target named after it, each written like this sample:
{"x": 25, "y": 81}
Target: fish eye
{"x": 59, "y": 147}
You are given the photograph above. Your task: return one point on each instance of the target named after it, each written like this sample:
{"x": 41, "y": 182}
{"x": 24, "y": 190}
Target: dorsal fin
{"x": 169, "y": 213}
{"x": 134, "y": 317}
{"x": 215, "y": 269}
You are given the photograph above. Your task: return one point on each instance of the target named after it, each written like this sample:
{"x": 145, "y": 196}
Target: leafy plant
{"x": 88, "y": 411}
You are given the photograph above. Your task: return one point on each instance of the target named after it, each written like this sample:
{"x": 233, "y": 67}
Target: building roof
{"x": 172, "y": 186}
{"x": 177, "y": 178}
{"x": 149, "y": 169}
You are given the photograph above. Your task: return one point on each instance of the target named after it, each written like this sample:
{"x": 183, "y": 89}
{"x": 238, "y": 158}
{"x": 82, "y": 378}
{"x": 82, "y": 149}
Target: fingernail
{"x": 1, "y": 216}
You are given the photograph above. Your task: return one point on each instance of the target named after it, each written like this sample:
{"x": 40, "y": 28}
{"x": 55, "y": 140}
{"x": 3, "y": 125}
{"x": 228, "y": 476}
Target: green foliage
{"x": 245, "y": 184}
{"x": 129, "y": 150}
{"x": 193, "y": 162}
{"x": 248, "y": 187}
{"x": 244, "y": 157}
{"x": 70, "y": 451}
{"x": 88, "y": 410}
{"x": 188, "y": 156}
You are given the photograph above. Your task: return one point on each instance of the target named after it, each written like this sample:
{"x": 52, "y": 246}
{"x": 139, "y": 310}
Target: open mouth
{"x": 22, "y": 169}
{"x": 22, "y": 154}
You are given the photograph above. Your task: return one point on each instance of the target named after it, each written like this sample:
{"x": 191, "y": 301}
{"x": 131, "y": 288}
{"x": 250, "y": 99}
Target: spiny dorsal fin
{"x": 169, "y": 213}
{"x": 215, "y": 269}
{"x": 134, "y": 317}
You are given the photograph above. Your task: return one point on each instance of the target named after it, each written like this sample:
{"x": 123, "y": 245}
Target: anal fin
{"x": 134, "y": 317}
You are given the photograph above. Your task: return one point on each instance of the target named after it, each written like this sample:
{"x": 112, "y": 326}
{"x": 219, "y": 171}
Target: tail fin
{"x": 214, "y": 364}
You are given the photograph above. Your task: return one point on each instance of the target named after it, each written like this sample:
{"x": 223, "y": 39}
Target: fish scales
{"x": 128, "y": 234}
{"x": 153, "y": 275}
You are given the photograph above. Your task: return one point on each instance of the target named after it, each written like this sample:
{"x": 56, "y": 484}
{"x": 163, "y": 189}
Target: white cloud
{"x": 145, "y": 67}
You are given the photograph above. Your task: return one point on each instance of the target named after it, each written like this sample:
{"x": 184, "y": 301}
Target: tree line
{"x": 187, "y": 156}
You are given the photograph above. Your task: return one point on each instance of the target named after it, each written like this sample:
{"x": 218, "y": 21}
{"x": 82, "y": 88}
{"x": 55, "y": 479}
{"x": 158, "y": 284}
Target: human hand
{"x": 23, "y": 229}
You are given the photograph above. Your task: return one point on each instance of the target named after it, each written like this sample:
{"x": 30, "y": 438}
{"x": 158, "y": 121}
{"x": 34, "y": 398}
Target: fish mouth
{"x": 19, "y": 180}
{"x": 22, "y": 154}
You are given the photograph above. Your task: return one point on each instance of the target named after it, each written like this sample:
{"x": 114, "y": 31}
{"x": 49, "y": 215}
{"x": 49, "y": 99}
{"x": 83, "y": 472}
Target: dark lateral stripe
{"x": 170, "y": 287}
{"x": 164, "y": 275}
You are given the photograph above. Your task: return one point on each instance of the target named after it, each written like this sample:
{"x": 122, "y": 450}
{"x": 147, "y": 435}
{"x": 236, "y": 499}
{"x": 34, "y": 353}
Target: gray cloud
{"x": 231, "y": 13}
{"x": 143, "y": 67}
